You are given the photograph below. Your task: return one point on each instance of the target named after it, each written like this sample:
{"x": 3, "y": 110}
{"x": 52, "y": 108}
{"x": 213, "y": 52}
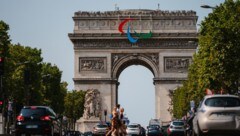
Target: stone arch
{"x": 101, "y": 53}
{"x": 135, "y": 59}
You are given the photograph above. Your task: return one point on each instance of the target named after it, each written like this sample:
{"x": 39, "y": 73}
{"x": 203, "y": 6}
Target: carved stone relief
{"x": 113, "y": 23}
{"x": 144, "y": 43}
{"x": 135, "y": 24}
{"x": 93, "y": 23}
{"x": 92, "y": 104}
{"x": 93, "y": 64}
{"x": 177, "y": 64}
{"x": 151, "y": 56}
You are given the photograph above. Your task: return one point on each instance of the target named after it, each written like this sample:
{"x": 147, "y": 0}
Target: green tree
{"x": 217, "y": 64}
{"x": 74, "y": 104}
{"x": 53, "y": 90}
{"x": 23, "y": 58}
{"x": 220, "y": 35}
{"x": 4, "y": 43}
{"x": 24, "y": 74}
{"x": 4, "y": 39}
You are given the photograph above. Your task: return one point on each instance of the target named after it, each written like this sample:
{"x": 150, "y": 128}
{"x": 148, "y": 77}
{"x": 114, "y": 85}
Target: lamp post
{"x": 105, "y": 114}
{"x": 207, "y": 6}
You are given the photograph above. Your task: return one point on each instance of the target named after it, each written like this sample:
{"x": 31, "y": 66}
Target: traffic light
{"x": 1, "y": 66}
{"x": 1, "y": 106}
{"x": 105, "y": 112}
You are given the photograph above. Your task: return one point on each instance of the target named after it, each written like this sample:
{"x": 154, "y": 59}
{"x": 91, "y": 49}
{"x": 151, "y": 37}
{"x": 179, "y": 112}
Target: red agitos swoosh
{"x": 120, "y": 27}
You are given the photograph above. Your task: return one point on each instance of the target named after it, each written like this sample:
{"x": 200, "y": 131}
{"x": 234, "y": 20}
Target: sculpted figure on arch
{"x": 92, "y": 105}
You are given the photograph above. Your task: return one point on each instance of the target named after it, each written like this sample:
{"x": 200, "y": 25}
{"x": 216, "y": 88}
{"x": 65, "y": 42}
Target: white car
{"x": 100, "y": 129}
{"x": 133, "y": 129}
{"x": 218, "y": 114}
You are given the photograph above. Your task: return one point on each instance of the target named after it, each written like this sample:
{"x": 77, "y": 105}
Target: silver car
{"x": 177, "y": 128}
{"x": 218, "y": 114}
{"x": 133, "y": 129}
{"x": 100, "y": 129}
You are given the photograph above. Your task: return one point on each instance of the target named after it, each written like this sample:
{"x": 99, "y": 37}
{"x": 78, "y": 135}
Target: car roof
{"x": 220, "y": 95}
{"x": 134, "y": 124}
{"x": 178, "y": 121}
{"x": 154, "y": 125}
{"x": 46, "y": 107}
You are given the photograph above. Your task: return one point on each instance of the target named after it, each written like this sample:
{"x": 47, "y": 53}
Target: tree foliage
{"x": 216, "y": 65}
{"x": 21, "y": 58}
{"x": 25, "y": 81}
{"x": 53, "y": 90}
{"x": 4, "y": 39}
{"x": 74, "y": 104}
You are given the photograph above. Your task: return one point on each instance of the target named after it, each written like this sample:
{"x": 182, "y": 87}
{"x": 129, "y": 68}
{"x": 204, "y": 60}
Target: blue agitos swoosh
{"x": 130, "y": 38}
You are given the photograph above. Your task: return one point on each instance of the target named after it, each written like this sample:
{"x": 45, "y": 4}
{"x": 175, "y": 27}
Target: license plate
{"x": 222, "y": 116}
{"x": 31, "y": 126}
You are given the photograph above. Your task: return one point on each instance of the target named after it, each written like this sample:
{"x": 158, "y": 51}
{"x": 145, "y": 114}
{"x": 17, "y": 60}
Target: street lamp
{"x": 25, "y": 62}
{"x": 105, "y": 114}
{"x": 207, "y": 6}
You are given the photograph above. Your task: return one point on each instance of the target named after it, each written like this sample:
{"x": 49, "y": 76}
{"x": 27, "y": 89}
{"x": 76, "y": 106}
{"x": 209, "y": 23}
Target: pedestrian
{"x": 122, "y": 125}
{"x": 123, "y": 128}
{"x": 118, "y": 109}
{"x": 114, "y": 125}
{"x": 121, "y": 113}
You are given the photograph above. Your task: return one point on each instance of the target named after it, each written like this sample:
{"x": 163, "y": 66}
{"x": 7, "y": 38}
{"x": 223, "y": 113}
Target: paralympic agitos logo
{"x": 129, "y": 36}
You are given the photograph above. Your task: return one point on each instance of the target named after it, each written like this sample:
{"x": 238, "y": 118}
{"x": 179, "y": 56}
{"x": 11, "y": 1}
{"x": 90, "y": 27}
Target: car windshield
{"x": 133, "y": 126}
{"x": 30, "y": 112}
{"x": 153, "y": 127}
{"x": 223, "y": 102}
{"x": 178, "y": 123}
{"x": 102, "y": 126}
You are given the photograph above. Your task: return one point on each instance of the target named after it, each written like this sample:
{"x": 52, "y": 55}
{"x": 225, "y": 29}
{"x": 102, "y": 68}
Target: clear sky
{"x": 45, "y": 24}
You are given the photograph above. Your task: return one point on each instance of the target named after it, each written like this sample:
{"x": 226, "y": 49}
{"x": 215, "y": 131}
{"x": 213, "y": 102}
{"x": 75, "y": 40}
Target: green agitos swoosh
{"x": 144, "y": 36}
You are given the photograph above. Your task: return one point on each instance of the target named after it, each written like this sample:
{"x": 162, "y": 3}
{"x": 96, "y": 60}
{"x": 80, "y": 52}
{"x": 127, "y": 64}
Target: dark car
{"x": 37, "y": 120}
{"x": 88, "y": 133}
{"x": 142, "y": 131}
{"x": 73, "y": 133}
{"x": 164, "y": 129}
{"x": 154, "y": 130}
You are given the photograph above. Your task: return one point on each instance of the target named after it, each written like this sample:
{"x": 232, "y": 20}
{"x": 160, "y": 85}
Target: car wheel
{"x": 193, "y": 133}
{"x": 18, "y": 134}
{"x": 51, "y": 132}
{"x": 199, "y": 133}
{"x": 56, "y": 134}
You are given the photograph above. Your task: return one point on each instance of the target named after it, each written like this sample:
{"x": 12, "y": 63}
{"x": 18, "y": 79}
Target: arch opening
{"x": 134, "y": 60}
{"x": 136, "y": 93}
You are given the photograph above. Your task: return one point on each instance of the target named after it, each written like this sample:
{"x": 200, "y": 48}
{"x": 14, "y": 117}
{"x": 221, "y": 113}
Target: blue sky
{"x": 45, "y": 24}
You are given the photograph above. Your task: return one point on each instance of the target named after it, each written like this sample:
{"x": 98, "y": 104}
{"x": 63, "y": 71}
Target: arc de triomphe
{"x": 101, "y": 52}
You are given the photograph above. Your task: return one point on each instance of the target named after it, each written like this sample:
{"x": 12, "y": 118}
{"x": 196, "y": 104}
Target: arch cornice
{"x": 148, "y": 60}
